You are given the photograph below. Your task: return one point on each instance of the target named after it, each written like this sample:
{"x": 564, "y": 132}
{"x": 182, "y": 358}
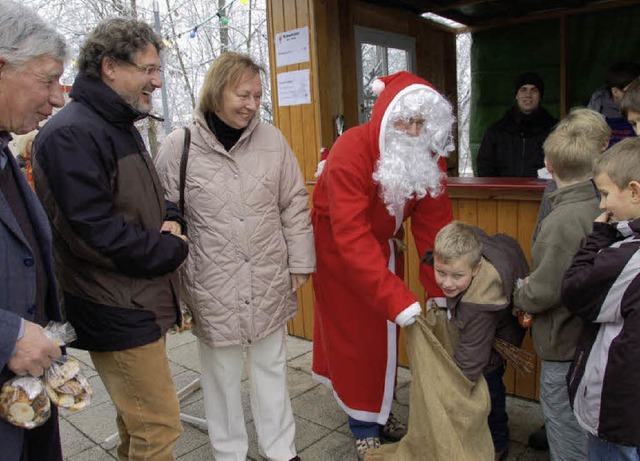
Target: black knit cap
{"x": 529, "y": 78}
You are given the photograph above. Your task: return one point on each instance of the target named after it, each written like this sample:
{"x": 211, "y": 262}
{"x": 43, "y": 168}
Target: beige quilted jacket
{"x": 248, "y": 227}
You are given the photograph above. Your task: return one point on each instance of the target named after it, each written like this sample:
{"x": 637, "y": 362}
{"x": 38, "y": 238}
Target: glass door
{"x": 379, "y": 53}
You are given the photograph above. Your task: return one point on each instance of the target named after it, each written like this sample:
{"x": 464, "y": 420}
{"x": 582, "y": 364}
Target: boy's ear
{"x": 634, "y": 187}
{"x": 548, "y": 165}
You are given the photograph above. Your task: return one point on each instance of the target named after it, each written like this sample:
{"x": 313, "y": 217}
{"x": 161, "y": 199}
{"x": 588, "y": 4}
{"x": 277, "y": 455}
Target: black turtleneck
{"x": 228, "y": 136}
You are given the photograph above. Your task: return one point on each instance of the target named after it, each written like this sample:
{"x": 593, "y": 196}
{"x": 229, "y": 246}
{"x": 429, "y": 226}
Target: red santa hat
{"x": 396, "y": 82}
{"x": 388, "y": 87}
{"x": 396, "y": 86}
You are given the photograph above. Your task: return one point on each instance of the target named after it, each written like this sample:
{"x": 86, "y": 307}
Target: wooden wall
{"x": 300, "y": 124}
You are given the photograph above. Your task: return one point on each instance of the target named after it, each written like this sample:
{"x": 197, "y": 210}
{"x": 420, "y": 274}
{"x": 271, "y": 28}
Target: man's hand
{"x": 173, "y": 227}
{"x": 34, "y": 352}
{"x": 297, "y": 280}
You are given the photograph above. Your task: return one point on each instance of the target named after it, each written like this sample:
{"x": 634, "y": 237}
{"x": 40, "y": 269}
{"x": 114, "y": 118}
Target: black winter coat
{"x": 100, "y": 189}
{"x": 512, "y": 147}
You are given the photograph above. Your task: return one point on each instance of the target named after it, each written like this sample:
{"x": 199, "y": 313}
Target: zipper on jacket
{"x": 578, "y": 364}
{"x": 524, "y": 146}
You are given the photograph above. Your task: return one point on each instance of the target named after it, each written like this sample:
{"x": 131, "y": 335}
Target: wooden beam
{"x": 592, "y": 8}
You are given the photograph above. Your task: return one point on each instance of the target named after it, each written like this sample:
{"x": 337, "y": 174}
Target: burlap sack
{"x": 447, "y": 412}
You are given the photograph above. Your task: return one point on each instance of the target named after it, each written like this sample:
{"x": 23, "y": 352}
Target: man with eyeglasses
{"x": 512, "y": 146}
{"x": 117, "y": 242}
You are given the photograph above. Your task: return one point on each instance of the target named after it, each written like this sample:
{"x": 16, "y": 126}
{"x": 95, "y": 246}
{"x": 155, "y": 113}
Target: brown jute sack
{"x": 447, "y": 412}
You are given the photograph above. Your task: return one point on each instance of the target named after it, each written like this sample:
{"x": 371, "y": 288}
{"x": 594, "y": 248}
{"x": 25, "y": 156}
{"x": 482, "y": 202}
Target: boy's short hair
{"x": 457, "y": 240}
{"x": 621, "y": 163}
{"x": 631, "y": 98}
{"x": 575, "y": 143}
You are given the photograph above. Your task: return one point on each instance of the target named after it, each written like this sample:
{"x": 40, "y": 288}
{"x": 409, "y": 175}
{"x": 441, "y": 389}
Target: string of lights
{"x": 224, "y": 20}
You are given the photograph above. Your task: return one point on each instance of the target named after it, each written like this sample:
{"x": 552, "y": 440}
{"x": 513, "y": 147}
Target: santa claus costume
{"x": 368, "y": 187}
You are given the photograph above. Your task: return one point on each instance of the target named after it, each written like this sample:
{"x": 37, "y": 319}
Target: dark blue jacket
{"x": 18, "y": 293}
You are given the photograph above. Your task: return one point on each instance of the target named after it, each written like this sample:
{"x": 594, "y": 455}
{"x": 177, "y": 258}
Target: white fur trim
{"x": 320, "y": 167}
{"x": 378, "y": 86}
{"x": 408, "y": 316}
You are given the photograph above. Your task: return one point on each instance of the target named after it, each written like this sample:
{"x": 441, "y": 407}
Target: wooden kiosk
{"x": 510, "y": 36}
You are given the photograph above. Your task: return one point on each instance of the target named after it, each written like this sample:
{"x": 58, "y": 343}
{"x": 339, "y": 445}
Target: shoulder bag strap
{"x": 183, "y": 166}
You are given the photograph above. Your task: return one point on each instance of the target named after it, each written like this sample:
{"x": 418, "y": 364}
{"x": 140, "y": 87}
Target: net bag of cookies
{"x": 24, "y": 402}
{"x": 66, "y": 386}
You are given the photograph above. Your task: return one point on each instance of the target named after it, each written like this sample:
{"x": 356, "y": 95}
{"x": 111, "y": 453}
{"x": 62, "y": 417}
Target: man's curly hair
{"x": 117, "y": 38}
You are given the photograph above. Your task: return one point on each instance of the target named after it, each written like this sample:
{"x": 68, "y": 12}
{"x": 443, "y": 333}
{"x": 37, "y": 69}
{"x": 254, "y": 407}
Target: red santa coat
{"x": 357, "y": 296}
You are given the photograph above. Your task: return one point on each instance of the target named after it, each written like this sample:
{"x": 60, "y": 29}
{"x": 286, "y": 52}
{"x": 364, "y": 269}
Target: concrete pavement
{"x": 321, "y": 426}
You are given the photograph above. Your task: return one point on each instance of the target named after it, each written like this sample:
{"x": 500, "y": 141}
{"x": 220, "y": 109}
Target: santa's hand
{"x": 408, "y": 316}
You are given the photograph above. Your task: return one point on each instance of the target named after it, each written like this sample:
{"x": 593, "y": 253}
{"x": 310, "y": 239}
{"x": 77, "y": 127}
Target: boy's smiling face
{"x": 622, "y": 204}
{"x": 454, "y": 276}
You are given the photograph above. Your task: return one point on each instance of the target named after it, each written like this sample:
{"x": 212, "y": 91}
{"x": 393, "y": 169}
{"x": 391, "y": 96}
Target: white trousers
{"x": 270, "y": 404}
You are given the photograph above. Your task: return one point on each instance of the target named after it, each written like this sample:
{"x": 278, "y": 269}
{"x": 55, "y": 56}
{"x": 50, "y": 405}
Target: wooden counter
{"x": 508, "y": 205}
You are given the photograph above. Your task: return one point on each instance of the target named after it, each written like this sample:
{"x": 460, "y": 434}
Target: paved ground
{"x": 322, "y": 433}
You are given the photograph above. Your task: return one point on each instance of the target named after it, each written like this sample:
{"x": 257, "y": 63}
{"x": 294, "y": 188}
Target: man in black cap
{"x": 513, "y": 145}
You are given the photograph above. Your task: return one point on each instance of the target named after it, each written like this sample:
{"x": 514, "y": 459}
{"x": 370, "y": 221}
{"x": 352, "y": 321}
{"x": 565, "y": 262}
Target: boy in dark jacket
{"x": 477, "y": 273}
{"x": 569, "y": 154}
{"x": 602, "y": 286}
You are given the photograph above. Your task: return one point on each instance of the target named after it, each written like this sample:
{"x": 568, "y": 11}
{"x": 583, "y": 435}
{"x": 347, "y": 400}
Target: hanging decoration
{"x": 224, "y": 20}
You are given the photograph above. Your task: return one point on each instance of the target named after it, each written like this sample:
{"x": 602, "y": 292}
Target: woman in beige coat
{"x": 251, "y": 248}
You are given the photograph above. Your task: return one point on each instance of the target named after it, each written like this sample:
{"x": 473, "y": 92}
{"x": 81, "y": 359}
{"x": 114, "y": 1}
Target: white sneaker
{"x": 364, "y": 445}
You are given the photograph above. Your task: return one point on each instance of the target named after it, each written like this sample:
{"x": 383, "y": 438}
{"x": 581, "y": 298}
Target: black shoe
{"x": 538, "y": 440}
{"x": 393, "y": 430}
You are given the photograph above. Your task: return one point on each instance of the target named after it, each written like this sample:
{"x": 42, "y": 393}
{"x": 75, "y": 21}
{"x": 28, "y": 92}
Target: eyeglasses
{"x": 148, "y": 70}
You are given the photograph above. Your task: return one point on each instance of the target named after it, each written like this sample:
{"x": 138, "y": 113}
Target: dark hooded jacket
{"x": 512, "y": 147}
{"x": 106, "y": 205}
{"x": 602, "y": 286}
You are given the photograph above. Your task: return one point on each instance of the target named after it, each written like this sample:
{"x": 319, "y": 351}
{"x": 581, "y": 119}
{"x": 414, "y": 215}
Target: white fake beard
{"x": 407, "y": 169}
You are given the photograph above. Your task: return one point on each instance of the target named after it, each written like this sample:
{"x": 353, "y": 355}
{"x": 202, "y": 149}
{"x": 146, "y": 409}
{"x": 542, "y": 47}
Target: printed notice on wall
{"x": 294, "y": 88}
{"x": 292, "y": 47}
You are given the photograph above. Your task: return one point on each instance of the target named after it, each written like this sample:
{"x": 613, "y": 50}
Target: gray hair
{"x": 25, "y": 36}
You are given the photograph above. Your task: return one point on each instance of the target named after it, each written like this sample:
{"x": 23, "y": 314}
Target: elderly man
{"x": 32, "y": 56}
{"x": 117, "y": 242}
{"x": 376, "y": 176}
{"x": 513, "y": 145}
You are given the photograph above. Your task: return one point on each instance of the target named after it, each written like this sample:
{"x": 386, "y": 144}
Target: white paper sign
{"x": 292, "y": 47}
{"x": 294, "y": 88}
